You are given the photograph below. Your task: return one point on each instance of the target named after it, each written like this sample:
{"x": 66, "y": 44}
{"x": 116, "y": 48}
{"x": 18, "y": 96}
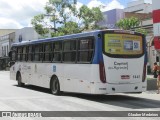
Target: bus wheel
{"x": 19, "y": 80}
{"x": 55, "y": 87}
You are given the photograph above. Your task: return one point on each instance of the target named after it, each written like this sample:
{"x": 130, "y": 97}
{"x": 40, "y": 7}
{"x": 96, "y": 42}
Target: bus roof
{"x": 72, "y": 36}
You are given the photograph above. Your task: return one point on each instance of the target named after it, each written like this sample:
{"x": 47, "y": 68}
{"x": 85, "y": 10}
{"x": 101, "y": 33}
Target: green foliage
{"x": 68, "y": 19}
{"x": 128, "y": 23}
{"x": 69, "y": 28}
{"x": 90, "y": 17}
{"x": 39, "y": 28}
{"x": 140, "y": 30}
{"x": 55, "y": 34}
{"x": 97, "y": 17}
{"x": 97, "y": 14}
{"x": 38, "y": 22}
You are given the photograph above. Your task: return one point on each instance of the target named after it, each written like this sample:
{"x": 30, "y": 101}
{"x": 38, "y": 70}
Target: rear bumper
{"x": 106, "y": 88}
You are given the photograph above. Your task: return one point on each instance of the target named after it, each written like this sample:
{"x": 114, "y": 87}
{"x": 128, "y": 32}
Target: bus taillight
{"x": 144, "y": 73}
{"x": 102, "y": 72}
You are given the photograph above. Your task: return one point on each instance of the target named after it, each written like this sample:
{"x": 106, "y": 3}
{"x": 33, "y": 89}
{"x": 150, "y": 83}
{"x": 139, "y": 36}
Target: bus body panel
{"x": 121, "y": 71}
{"x": 83, "y": 78}
{"x": 106, "y": 88}
{"x": 72, "y": 77}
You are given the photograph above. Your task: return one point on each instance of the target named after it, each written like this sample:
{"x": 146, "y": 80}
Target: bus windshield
{"x": 123, "y": 44}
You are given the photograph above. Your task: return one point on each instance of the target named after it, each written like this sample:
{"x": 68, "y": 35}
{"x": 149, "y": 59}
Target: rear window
{"x": 123, "y": 44}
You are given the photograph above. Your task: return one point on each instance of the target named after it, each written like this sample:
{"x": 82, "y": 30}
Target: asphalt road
{"x": 32, "y": 98}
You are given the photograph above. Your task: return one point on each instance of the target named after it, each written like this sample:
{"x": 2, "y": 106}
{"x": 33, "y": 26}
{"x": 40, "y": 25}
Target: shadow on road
{"x": 121, "y": 100}
{"x": 35, "y": 88}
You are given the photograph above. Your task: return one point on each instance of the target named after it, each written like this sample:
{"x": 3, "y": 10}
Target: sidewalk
{"x": 150, "y": 92}
{"x": 151, "y": 84}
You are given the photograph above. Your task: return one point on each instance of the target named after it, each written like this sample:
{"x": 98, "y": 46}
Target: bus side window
{"x": 13, "y": 54}
{"x": 19, "y": 57}
{"x": 85, "y": 50}
{"x": 57, "y": 49}
{"x": 69, "y": 51}
{"x": 27, "y": 51}
{"x": 47, "y": 52}
{"x": 30, "y": 53}
{"x": 36, "y": 53}
{"x": 24, "y": 54}
{"x": 41, "y": 54}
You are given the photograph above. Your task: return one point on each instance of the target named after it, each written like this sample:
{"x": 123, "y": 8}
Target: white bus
{"x": 97, "y": 62}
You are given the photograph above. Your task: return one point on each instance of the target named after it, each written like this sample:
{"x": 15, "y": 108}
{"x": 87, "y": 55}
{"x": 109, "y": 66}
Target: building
{"x": 110, "y": 18}
{"x": 24, "y": 34}
{"x": 6, "y": 31}
{"x": 6, "y": 40}
{"x": 5, "y": 43}
{"x": 139, "y": 6}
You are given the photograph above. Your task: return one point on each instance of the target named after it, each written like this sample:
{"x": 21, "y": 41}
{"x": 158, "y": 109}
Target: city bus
{"x": 96, "y": 62}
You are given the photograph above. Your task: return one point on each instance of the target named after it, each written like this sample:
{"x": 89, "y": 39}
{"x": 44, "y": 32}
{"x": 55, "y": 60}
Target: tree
{"x": 38, "y": 22}
{"x": 141, "y": 30}
{"x": 62, "y": 18}
{"x": 130, "y": 24}
{"x": 90, "y": 17}
{"x": 69, "y": 28}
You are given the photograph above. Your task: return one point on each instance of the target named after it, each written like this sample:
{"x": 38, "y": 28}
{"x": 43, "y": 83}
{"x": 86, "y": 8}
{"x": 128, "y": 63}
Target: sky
{"x": 16, "y": 14}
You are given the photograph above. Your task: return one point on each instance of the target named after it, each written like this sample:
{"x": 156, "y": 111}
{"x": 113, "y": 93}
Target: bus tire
{"x": 19, "y": 80}
{"x": 55, "y": 86}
